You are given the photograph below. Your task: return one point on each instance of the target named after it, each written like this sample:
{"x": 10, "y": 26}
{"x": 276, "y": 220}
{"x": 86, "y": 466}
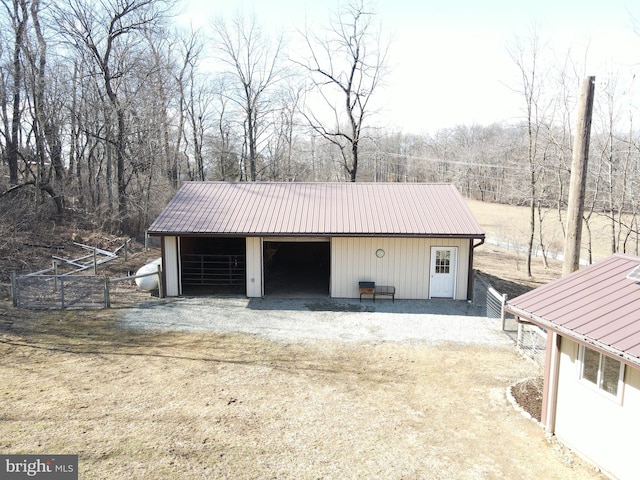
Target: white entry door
{"x": 443, "y": 272}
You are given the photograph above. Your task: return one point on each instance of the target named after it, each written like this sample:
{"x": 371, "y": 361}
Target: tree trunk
{"x": 120, "y": 166}
{"x": 532, "y": 227}
{"x": 251, "y": 127}
{"x": 19, "y": 8}
{"x": 354, "y": 158}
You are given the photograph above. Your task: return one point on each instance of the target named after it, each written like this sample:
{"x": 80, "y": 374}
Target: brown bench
{"x": 370, "y": 288}
{"x": 385, "y": 291}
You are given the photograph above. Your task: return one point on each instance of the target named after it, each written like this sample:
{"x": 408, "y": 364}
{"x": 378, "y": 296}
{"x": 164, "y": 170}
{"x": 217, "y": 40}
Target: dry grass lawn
{"x": 510, "y": 224}
{"x": 185, "y": 406}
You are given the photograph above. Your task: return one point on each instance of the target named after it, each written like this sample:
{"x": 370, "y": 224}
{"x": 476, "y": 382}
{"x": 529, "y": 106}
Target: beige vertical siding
{"x": 593, "y": 424}
{"x": 406, "y": 265}
{"x": 254, "y": 267}
{"x": 170, "y": 266}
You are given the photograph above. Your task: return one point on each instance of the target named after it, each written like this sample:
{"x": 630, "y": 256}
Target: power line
{"x": 453, "y": 162}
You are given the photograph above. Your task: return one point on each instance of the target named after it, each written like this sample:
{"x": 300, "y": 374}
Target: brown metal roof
{"x": 598, "y": 305}
{"x": 253, "y": 208}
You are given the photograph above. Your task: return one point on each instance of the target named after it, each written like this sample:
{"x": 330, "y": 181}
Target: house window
{"x": 604, "y": 373}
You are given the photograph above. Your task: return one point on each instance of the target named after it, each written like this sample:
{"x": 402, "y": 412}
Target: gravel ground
{"x": 294, "y": 320}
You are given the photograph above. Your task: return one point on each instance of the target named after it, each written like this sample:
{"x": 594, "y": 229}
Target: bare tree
{"x": 5, "y": 129}
{"x": 18, "y": 12}
{"x": 616, "y": 159}
{"x": 198, "y": 105}
{"x": 193, "y": 102}
{"x": 109, "y": 33}
{"x": 160, "y": 73}
{"x": 559, "y": 132}
{"x": 29, "y": 131}
{"x": 346, "y": 68}
{"x": 45, "y": 129}
{"x": 254, "y": 68}
{"x": 281, "y": 162}
{"x": 526, "y": 57}
{"x": 229, "y": 163}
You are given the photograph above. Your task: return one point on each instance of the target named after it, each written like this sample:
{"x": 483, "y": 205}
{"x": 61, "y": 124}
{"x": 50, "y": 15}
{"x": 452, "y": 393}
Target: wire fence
{"x": 532, "y": 342}
{"x": 58, "y": 291}
{"x": 75, "y": 282}
{"x": 80, "y": 291}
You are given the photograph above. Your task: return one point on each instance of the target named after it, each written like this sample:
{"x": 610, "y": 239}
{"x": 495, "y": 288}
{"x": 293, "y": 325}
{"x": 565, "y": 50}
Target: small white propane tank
{"x": 150, "y": 282}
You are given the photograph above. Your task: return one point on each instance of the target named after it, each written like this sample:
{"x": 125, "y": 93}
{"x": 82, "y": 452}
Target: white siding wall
{"x": 405, "y": 265}
{"x": 254, "y": 267}
{"x": 594, "y": 425}
{"x": 171, "y": 266}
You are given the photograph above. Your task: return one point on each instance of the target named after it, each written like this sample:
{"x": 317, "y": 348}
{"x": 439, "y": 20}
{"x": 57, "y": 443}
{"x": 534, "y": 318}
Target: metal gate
{"x": 214, "y": 270}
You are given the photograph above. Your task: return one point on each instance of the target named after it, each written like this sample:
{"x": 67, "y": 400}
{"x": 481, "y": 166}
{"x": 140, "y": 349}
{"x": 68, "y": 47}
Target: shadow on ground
{"x": 421, "y": 307}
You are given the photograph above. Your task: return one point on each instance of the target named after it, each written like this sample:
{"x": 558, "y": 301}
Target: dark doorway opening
{"x": 212, "y": 265}
{"x": 296, "y": 269}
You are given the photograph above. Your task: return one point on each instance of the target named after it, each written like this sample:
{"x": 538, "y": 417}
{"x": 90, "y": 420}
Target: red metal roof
{"x": 256, "y": 208}
{"x": 598, "y": 305}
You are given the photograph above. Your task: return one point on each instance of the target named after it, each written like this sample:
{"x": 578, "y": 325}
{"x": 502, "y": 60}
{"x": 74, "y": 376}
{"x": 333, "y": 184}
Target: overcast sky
{"x": 448, "y": 61}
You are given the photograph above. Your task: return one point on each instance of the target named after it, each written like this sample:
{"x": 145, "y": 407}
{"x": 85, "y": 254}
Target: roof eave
{"x": 566, "y": 332}
{"x": 152, "y": 233}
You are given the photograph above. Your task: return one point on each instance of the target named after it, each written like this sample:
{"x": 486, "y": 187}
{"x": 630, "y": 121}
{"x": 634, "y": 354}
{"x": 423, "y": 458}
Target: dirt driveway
{"x": 154, "y": 404}
{"x": 287, "y": 320}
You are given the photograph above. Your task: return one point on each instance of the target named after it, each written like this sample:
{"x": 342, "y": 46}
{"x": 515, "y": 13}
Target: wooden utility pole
{"x": 579, "y": 162}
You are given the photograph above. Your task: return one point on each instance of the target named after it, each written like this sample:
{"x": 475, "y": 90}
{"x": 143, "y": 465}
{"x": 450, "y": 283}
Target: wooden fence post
{"x": 107, "y": 293}
{"x": 54, "y": 267}
{"x": 61, "y": 292}
{"x": 14, "y": 288}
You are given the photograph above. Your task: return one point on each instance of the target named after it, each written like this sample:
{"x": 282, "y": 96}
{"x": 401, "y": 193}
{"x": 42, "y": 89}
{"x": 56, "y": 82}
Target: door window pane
{"x": 443, "y": 261}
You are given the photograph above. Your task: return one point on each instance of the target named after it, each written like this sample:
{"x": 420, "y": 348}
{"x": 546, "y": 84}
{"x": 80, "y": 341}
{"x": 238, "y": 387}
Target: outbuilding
{"x": 591, "y": 397}
{"x": 317, "y": 239}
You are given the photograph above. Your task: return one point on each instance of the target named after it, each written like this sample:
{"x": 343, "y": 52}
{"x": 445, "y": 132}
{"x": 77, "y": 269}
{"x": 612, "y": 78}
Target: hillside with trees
{"x": 106, "y": 107}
